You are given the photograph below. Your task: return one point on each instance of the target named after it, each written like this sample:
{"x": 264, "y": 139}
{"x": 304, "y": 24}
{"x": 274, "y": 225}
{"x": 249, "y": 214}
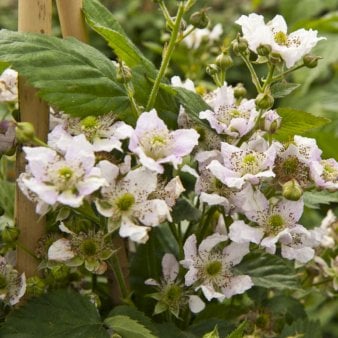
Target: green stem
{"x": 166, "y": 14}
{"x": 39, "y": 142}
{"x": 168, "y": 51}
{"x": 254, "y": 76}
{"x": 269, "y": 78}
{"x": 23, "y": 248}
{"x": 114, "y": 263}
{"x": 281, "y": 76}
{"x": 186, "y": 34}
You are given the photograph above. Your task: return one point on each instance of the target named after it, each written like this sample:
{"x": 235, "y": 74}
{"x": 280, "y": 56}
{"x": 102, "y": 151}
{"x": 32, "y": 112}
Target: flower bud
{"x": 239, "y": 45}
{"x": 60, "y": 272}
{"x": 239, "y": 91}
{"x": 311, "y": 61}
{"x": 212, "y": 69}
{"x": 35, "y": 286}
{"x": 271, "y": 121}
{"x": 264, "y": 100}
{"x": 263, "y": 50}
{"x": 123, "y": 74}
{"x": 24, "y": 132}
{"x": 292, "y": 190}
{"x": 224, "y": 61}
{"x": 275, "y": 58}
{"x": 199, "y": 19}
{"x": 10, "y": 234}
{"x": 7, "y": 137}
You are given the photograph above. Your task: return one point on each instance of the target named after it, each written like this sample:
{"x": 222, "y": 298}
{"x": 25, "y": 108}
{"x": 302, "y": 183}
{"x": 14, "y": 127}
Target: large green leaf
{"x": 104, "y": 23}
{"x": 313, "y": 199}
{"x": 297, "y": 122}
{"x": 70, "y": 75}
{"x": 127, "y": 327}
{"x": 302, "y": 329}
{"x": 61, "y": 314}
{"x": 269, "y": 271}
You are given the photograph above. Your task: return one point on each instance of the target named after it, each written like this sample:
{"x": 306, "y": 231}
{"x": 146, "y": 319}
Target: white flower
{"x": 9, "y": 86}
{"x": 325, "y": 173}
{"x": 155, "y": 144}
{"x": 243, "y": 164}
{"x": 102, "y": 131}
{"x": 172, "y": 295}
{"x": 194, "y": 39}
{"x": 272, "y": 121}
{"x": 210, "y": 269}
{"x": 325, "y": 233}
{"x": 64, "y": 177}
{"x": 291, "y": 47}
{"x": 125, "y": 201}
{"x": 187, "y": 84}
{"x": 12, "y": 285}
{"x": 228, "y": 117}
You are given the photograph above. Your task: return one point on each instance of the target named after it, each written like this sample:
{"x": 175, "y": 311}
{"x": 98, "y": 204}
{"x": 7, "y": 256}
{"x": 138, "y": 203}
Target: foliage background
{"x": 319, "y": 94}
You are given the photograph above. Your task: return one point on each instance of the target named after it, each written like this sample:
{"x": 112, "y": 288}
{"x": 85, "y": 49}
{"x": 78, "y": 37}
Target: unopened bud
{"x": 10, "y": 234}
{"x": 123, "y": 74}
{"x": 292, "y": 190}
{"x": 60, "y": 272}
{"x": 271, "y": 121}
{"x": 224, "y": 61}
{"x": 212, "y": 69}
{"x": 35, "y": 286}
{"x": 311, "y": 61}
{"x": 264, "y": 101}
{"x": 275, "y": 58}
{"x": 7, "y": 137}
{"x": 25, "y": 132}
{"x": 263, "y": 50}
{"x": 199, "y": 19}
{"x": 239, "y": 45}
{"x": 239, "y": 91}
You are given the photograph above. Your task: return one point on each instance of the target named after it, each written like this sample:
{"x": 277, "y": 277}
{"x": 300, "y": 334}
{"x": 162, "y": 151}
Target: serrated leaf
{"x": 238, "y": 332}
{"x": 281, "y": 89}
{"x": 69, "y": 74}
{"x": 313, "y": 199}
{"x": 302, "y": 329}
{"x": 269, "y": 271}
{"x": 297, "y": 122}
{"x": 184, "y": 210}
{"x": 103, "y": 22}
{"x": 61, "y": 314}
{"x": 127, "y": 327}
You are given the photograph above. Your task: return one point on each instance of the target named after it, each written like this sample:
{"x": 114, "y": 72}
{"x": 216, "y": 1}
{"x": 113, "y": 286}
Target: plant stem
{"x": 269, "y": 78}
{"x": 281, "y": 76}
{"x": 39, "y": 142}
{"x": 114, "y": 263}
{"x": 254, "y": 76}
{"x": 166, "y": 14}
{"x": 168, "y": 51}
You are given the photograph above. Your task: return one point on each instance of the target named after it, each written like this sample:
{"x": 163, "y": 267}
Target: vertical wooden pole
{"x": 33, "y": 16}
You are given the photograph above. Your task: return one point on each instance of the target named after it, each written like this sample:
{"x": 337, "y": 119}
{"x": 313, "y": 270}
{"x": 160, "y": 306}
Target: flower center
{"x": 66, "y": 173}
{"x": 250, "y": 164}
{"x": 329, "y": 173}
{"x": 213, "y": 268}
{"x": 125, "y": 202}
{"x": 155, "y": 145}
{"x": 88, "y": 247}
{"x": 3, "y": 281}
{"x": 173, "y": 293}
{"x": 290, "y": 165}
{"x": 89, "y": 122}
{"x": 281, "y": 38}
{"x": 275, "y": 223}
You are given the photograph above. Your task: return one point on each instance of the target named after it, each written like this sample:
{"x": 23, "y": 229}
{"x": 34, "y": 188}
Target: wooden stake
{"x": 71, "y": 19}
{"x": 34, "y": 16}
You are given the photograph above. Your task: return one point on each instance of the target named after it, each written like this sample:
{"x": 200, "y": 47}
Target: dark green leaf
{"x": 313, "y": 199}
{"x": 70, "y": 75}
{"x": 302, "y": 329}
{"x": 282, "y": 89}
{"x": 61, "y": 314}
{"x": 127, "y": 327}
{"x": 269, "y": 271}
{"x": 297, "y": 122}
{"x": 238, "y": 332}
{"x": 184, "y": 210}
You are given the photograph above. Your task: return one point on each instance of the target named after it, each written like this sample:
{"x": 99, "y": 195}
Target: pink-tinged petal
{"x": 243, "y": 233}
{"x": 90, "y": 185}
{"x": 109, "y": 171}
{"x": 235, "y": 252}
{"x": 64, "y": 229}
{"x": 153, "y": 212}
{"x": 225, "y": 175}
{"x": 173, "y": 190}
{"x": 269, "y": 243}
{"x": 312, "y": 152}
{"x": 211, "y": 241}
{"x": 107, "y": 144}
{"x": 46, "y": 193}
{"x": 191, "y": 276}
{"x": 301, "y": 255}
{"x": 104, "y": 209}
{"x": 291, "y": 210}
{"x": 135, "y": 232}
{"x": 184, "y": 140}
{"x": 196, "y": 304}
{"x": 148, "y": 162}
{"x": 68, "y": 197}
{"x": 121, "y": 130}
{"x": 237, "y": 285}
{"x": 210, "y": 293}
{"x": 59, "y": 139}
{"x": 61, "y": 251}
{"x": 190, "y": 251}
{"x": 214, "y": 199}
{"x": 170, "y": 268}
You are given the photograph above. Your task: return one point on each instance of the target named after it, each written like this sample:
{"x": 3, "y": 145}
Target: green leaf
{"x": 313, "y": 199}
{"x": 297, "y": 122}
{"x": 61, "y": 314}
{"x": 238, "y": 332}
{"x": 69, "y": 74}
{"x": 184, "y": 210}
{"x": 213, "y": 334}
{"x": 282, "y": 89}
{"x": 103, "y": 22}
{"x": 127, "y": 327}
{"x": 302, "y": 329}
{"x": 269, "y": 271}
{"x": 7, "y": 193}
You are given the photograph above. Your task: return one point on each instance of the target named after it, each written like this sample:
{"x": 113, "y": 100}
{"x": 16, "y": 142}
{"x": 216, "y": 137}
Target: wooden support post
{"x": 34, "y": 16}
{"x": 71, "y": 19}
